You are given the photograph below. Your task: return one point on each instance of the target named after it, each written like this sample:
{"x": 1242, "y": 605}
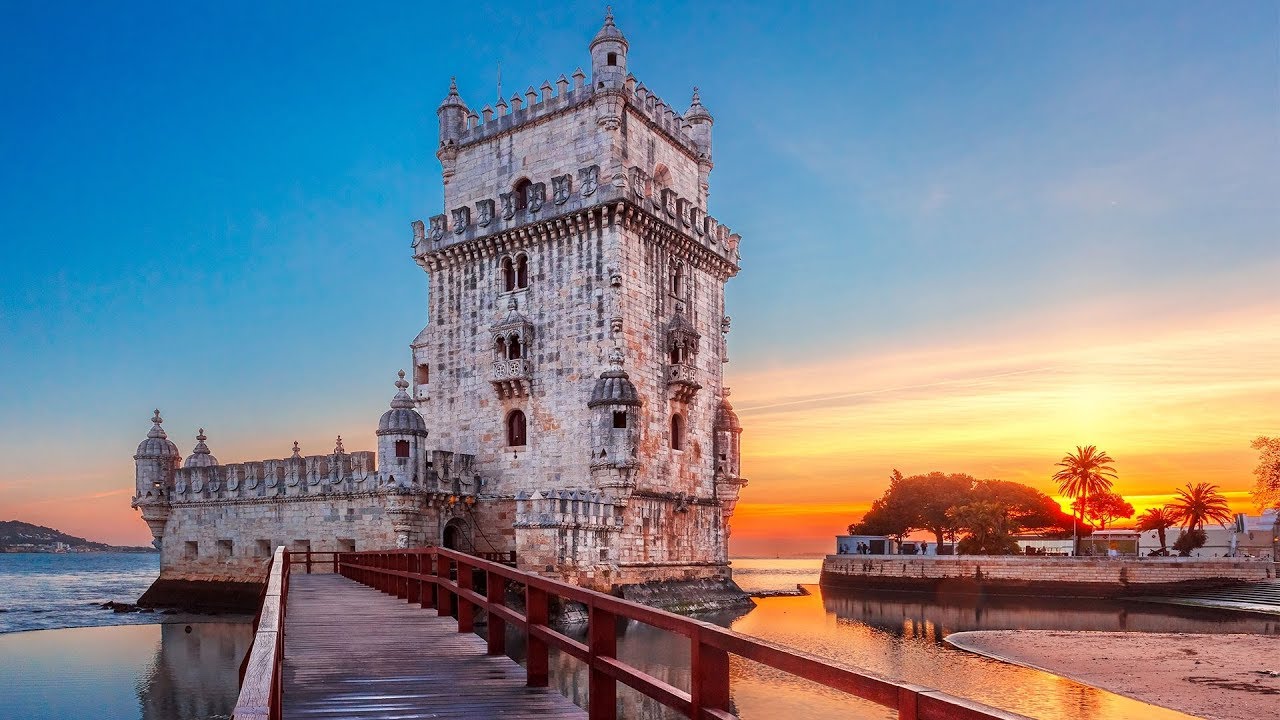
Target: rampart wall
{"x": 1017, "y": 575}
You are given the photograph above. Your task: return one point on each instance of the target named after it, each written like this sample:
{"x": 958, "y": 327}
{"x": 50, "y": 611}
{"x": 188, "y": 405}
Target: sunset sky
{"x": 975, "y": 235}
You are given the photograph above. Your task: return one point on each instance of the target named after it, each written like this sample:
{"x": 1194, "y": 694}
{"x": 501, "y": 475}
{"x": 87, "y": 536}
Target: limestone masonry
{"x": 566, "y": 398}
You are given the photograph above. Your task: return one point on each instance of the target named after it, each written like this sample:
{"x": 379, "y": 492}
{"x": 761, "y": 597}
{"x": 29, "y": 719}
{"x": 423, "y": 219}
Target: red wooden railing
{"x": 426, "y": 576}
{"x": 261, "y": 673}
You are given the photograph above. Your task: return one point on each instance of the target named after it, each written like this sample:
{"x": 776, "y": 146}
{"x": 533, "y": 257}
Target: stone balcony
{"x": 512, "y": 378}
{"x": 682, "y": 381}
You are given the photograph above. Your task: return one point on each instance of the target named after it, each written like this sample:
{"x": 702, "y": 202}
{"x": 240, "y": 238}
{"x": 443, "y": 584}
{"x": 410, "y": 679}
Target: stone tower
{"x": 575, "y": 334}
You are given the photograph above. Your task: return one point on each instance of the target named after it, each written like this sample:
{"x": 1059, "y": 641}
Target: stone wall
{"x": 1101, "y": 577}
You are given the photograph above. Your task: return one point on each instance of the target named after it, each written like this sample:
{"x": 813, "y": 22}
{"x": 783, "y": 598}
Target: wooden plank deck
{"x": 353, "y": 652}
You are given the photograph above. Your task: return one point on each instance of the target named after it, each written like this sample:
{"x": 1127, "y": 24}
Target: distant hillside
{"x": 17, "y": 536}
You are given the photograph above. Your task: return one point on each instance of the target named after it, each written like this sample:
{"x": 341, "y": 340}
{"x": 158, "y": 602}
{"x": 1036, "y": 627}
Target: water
{"x": 163, "y": 671}
{"x": 39, "y": 591}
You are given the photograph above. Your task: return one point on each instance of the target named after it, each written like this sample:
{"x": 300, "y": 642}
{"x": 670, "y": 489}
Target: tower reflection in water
{"x": 195, "y": 674}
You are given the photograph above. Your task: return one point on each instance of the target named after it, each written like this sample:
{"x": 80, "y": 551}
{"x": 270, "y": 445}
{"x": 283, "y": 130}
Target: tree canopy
{"x": 1199, "y": 505}
{"x": 989, "y": 512}
{"x": 1266, "y": 488}
{"x": 1106, "y": 507}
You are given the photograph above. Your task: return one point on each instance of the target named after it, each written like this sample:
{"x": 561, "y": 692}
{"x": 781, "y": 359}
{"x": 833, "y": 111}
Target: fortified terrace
{"x": 566, "y": 400}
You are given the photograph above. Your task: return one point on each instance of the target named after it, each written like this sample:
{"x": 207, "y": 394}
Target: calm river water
{"x": 167, "y": 672}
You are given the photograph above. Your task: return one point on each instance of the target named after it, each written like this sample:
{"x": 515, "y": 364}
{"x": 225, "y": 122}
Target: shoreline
{"x": 1217, "y": 677}
{"x": 176, "y": 619}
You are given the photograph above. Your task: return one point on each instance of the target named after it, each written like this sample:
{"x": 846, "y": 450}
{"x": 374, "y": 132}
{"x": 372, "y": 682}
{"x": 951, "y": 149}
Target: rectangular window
{"x": 191, "y": 550}
{"x": 402, "y": 448}
{"x": 422, "y": 375}
{"x": 225, "y": 549}
{"x": 619, "y": 418}
{"x": 346, "y": 545}
{"x": 262, "y": 548}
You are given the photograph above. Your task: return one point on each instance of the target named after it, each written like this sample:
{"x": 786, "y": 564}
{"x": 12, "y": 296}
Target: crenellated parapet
{"x": 492, "y": 226}
{"x": 583, "y": 509}
{"x": 336, "y": 473}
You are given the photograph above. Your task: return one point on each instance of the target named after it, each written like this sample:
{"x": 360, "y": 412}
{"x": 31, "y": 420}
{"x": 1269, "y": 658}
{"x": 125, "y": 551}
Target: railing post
{"x": 412, "y": 561}
{"x": 466, "y": 611}
{"x": 401, "y": 562}
{"x": 495, "y": 593}
{"x": 602, "y": 639}
{"x": 535, "y": 601}
{"x": 709, "y": 676}
{"x": 444, "y": 598}
{"x": 308, "y": 562}
{"x": 428, "y": 587}
{"x": 335, "y": 562}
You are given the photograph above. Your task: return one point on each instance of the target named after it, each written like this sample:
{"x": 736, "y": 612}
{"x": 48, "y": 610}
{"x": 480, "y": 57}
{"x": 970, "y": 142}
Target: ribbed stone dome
{"x": 157, "y": 444}
{"x": 402, "y": 419}
{"x": 697, "y": 111}
{"x": 614, "y": 386}
{"x": 200, "y": 456}
{"x": 609, "y": 32}
{"x": 726, "y": 418}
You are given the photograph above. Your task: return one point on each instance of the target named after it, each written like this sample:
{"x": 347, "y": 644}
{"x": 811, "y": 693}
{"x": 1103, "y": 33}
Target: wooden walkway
{"x": 353, "y": 652}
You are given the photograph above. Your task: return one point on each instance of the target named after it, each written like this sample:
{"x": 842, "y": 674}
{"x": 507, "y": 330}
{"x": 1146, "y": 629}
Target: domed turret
{"x": 608, "y": 55}
{"x": 157, "y": 444}
{"x": 200, "y": 455}
{"x": 614, "y": 386}
{"x": 700, "y": 123}
{"x": 726, "y": 418}
{"x": 402, "y": 437}
{"x": 402, "y": 418}
{"x": 615, "y": 427}
{"x": 728, "y": 450}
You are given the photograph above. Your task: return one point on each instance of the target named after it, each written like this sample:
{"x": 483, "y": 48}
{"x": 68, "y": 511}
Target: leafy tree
{"x": 1188, "y": 541}
{"x": 1201, "y": 504}
{"x": 917, "y": 502}
{"x": 1158, "y": 520}
{"x": 1087, "y": 472}
{"x": 1105, "y": 507}
{"x": 1266, "y": 489}
{"x": 997, "y": 510}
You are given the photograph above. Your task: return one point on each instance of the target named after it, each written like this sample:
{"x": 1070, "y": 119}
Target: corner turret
{"x": 608, "y": 55}
{"x": 200, "y": 455}
{"x": 453, "y": 122}
{"x": 728, "y": 455}
{"x": 155, "y": 463}
{"x": 402, "y": 437}
{"x": 615, "y": 428}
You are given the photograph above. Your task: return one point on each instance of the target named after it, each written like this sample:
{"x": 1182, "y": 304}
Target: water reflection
{"x": 900, "y": 636}
{"x": 152, "y": 672}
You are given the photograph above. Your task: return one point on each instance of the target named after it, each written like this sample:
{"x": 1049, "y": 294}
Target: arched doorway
{"x": 455, "y": 535}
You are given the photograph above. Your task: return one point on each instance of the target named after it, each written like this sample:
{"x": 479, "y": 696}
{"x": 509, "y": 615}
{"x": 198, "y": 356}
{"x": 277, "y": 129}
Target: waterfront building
{"x": 566, "y": 398}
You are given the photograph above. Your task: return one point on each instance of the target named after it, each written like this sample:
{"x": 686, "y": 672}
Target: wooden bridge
{"x": 358, "y": 642}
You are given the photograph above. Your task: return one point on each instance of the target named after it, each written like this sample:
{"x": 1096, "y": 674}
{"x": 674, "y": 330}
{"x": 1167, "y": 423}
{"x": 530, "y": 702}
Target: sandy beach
{"x": 1221, "y": 677}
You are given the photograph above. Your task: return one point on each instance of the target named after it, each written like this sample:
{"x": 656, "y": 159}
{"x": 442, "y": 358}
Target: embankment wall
{"x": 1017, "y": 575}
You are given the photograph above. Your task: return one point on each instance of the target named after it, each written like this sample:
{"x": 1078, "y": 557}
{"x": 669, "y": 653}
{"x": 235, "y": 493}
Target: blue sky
{"x": 207, "y": 209}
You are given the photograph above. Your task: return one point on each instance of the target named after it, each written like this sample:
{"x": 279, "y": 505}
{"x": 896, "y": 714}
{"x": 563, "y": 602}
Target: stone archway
{"x": 456, "y": 535}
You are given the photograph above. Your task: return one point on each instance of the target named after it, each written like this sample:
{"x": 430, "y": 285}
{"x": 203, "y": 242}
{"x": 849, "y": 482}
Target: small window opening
{"x": 402, "y": 448}
{"x": 262, "y": 548}
{"x": 677, "y": 355}
{"x": 677, "y": 432}
{"x": 508, "y": 275}
{"x": 514, "y": 349}
{"x": 612, "y": 59}
{"x": 500, "y": 348}
{"x": 677, "y": 278}
{"x": 516, "y": 429}
{"x": 422, "y": 374}
{"x": 225, "y": 549}
{"x": 521, "y": 191}
{"x": 191, "y": 550}
{"x": 619, "y": 419}
{"x": 522, "y": 272}
{"x": 346, "y": 545}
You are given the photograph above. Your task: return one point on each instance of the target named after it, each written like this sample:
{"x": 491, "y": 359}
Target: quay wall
{"x": 1018, "y": 575}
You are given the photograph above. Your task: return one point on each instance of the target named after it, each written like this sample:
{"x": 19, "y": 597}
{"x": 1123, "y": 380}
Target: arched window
{"x": 676, "y": 272}
{"x": 677, "y": 354}
{"x": 612, "y": 59}
{"x": 402, "y": 448}
{"x": 677, "y": 432}
{"x": 522, "y": 271}
{"x": 500, "y": 348}
{"x": 508, "y": 275}
{"x": 520, "y": 193}
{"x": 516, "y": 436}
{"x": 514, "y": 349}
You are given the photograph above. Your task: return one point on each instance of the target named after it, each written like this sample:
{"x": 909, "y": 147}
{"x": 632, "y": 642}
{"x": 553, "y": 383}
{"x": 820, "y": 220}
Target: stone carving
{"x": 669, "y": 202}
{"x": 682, "y": 210}
{"x": 180, "y": 488}
{"x": 615, "y": 324}
{"x": 508, "y": 201}
{"x": 419, "y": 232}
{"x": 233, "y": 483}
{"x": 461, "y": 219}
{"x": 639, "y": 183}
{"x": 589, "y": 180}
{"x": 537, "y": 196}
{"x": 561, "y": 185}
{"x": 437, "y": 228}
{"x": 484, "y": 209}
{"x": 197, "y": 485}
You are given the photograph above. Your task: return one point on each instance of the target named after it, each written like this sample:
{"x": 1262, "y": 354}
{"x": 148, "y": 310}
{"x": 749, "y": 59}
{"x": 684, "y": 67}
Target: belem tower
{"x": 565, "y": 400}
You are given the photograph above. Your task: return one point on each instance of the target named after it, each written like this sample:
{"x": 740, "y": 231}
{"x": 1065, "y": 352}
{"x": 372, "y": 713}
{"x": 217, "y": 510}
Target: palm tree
{"x": 1159, "y": 520}
{"x": 1197, "y": 506}
{"x": 1085, "y": 473}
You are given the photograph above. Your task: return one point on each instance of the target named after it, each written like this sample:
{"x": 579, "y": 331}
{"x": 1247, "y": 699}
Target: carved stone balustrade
{"x": 512, "y": 378}
{"x": 682, "y": 380}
